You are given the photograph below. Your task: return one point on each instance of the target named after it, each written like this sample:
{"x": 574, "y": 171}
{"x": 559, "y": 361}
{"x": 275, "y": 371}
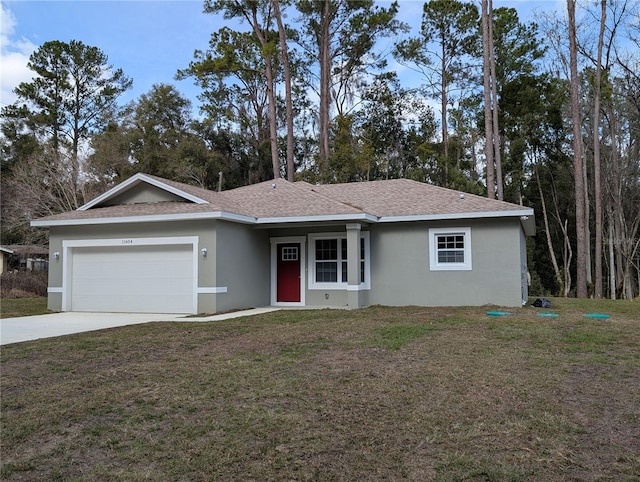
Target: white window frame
{"x": 434, "y": 264}
{"x": 339, "y": 285}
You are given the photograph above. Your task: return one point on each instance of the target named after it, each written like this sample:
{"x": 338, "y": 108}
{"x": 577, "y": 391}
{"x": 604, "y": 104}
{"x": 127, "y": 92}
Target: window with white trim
{"x": 289, "y": 253}
{"x": 328, "y": 258}
{"x": 450, "y": 249}
{"x": 328, "y": 264}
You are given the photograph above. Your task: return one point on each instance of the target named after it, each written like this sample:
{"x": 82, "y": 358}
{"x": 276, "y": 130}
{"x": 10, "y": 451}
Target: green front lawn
{"x": 375, "y": 394}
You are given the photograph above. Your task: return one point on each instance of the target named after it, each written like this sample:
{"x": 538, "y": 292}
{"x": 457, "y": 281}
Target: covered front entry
{"x": 287, "y": 271}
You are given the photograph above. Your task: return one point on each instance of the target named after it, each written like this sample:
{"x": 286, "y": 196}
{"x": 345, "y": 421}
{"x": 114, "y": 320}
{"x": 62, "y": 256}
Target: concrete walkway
{"x": 24, "y": 328}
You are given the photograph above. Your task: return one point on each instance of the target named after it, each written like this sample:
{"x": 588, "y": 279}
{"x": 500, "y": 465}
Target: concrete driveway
{"x": 24, "y": 328}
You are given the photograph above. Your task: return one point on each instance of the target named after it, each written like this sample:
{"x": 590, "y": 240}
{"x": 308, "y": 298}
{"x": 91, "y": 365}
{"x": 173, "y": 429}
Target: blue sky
{"x": 149, "y": 39}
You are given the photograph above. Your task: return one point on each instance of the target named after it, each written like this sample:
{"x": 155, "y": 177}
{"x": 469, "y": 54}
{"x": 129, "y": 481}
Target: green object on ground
{"x": 551, "y": 315}
{"x": 498, "y": 313}
{"x": 597, "y": 315}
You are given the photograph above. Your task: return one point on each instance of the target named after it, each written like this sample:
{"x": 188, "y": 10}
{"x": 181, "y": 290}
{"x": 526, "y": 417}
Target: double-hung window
{"x": 450, "y": 249}
{"x": 328, "y": 261}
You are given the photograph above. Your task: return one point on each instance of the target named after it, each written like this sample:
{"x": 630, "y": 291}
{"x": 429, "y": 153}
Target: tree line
{"x": 305, "y": 89}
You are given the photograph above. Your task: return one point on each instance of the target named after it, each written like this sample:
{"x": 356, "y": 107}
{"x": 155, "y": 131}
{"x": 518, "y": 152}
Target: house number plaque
{"x": 127, "y": 241}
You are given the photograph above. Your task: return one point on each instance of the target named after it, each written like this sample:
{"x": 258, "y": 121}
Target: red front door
{"x": 288, "y": 276}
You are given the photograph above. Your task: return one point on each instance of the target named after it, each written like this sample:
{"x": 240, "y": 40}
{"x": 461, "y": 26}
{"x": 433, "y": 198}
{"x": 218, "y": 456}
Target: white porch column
{"x": 353, "y": 265}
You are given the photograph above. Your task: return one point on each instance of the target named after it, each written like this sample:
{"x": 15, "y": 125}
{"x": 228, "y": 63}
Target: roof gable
{"x": 142, "y": 188}
{"x": 143, "y": 193}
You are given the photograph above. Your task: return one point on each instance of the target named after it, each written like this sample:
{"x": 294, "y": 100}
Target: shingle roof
{"x": 404, "y": 197}
{"x": 134, "y": 210}
{"x": 281, "y": 201}
{"x": 280, "y": 198}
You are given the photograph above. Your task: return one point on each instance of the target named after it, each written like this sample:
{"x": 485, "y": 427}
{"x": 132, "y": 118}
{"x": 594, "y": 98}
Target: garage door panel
{"x": 133, "y": 279}
{"x": 132, "y": 304}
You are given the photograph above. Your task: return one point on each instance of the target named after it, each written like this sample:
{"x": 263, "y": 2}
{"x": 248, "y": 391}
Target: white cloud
{"x": 15, "y": 56}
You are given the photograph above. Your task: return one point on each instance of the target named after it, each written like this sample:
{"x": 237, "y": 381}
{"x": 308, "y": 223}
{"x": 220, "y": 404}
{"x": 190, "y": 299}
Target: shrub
{"x": 23, "y": 284}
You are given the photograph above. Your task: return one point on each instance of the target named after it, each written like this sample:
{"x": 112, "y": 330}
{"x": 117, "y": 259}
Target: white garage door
{"x": 143, "y": 279}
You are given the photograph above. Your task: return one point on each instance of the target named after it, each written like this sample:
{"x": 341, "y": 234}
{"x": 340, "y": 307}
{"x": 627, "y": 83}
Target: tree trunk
{"x": 581, "y": 280}
{"x": 488, "y": 129}
{"x": 75, "y": 168}
{"x": 567, "y": 255}
{"x": 284, "y": 52}
{"x": 587, "y": 227}
{"x": 494, "y": 95}
{"x": 443, "y": 106}
{"x": 612, "y": 261}
{"x": 325, "y": 92}
{"x": 596, "y": 155}
{"x": 474, "y": 155}
{"x": 273, "y": 127}
{"x": 273, "y": 120}
{"x": 617, "y": 208}
{"x": 547, "y": 232}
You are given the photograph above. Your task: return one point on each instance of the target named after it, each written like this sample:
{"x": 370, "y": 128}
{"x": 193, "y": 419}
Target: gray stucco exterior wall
{"x": 401, "y": 275}
{"x": 524, "y": 269}
{"x": 236, "y": 273}
{"x": 242, "y": 267}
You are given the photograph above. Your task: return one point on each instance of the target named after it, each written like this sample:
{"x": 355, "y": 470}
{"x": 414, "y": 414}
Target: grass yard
{"x": 412, "y": 393}
{"x": 10, "y": 308}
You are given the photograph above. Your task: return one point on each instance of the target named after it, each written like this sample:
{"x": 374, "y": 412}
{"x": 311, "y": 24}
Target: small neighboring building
{"x": 28, "y": 257}
{"x": 4, "y": 258}
{"x": 154, "y": 245}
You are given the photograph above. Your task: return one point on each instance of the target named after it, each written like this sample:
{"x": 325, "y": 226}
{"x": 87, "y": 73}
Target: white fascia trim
{"x": 239, "y": 218}
{"x": 317, "y": 218}
{"x": 442, "y": 217}
{"x": 136, "y": 179}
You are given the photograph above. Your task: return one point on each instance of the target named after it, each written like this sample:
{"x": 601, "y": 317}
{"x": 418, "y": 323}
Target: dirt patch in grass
{"x": 376, "y": 394}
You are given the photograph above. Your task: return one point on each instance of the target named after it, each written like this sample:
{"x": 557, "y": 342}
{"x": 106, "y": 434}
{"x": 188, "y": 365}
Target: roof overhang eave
{"x": 525, "y": 215}
{"x": 528, "y": 223}
{"x": 152, "y": 218}
{"x": 322, "y": 218}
